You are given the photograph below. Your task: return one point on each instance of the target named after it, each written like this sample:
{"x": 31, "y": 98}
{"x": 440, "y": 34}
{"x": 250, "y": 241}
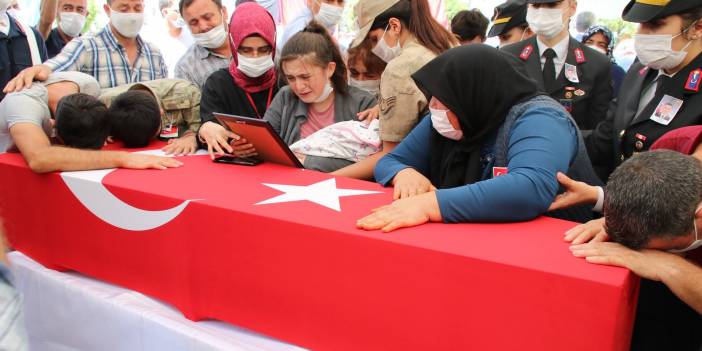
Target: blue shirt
{"x": 14, "y": 53}
{"x": 104, "y": 58}
{"x": 541, "y": 143}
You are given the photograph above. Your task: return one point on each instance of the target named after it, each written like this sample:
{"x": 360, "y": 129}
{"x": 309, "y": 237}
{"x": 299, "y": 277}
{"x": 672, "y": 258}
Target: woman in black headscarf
{"x": 492, "y": 146}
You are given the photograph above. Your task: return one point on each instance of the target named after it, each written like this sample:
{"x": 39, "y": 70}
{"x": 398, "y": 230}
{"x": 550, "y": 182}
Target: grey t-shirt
{"x": 32, "y": 105}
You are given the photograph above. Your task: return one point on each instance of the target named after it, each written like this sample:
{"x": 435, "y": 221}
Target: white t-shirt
{"x": 32, "y": 105}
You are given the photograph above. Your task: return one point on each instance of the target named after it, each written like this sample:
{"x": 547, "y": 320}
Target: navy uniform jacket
{"x": 14, "y": 53}
{"x": 586, "y": 100}
{"x": 623, "y": 132}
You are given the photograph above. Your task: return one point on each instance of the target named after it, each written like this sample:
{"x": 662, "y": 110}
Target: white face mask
{"x": 384, "y": 51}
{"x": 597, "y": 48}
{"x": 371, "y": 86}
{"x": 440, "y": 121}
{"x": 325, "y": 93}
{"x": 547, "y": 23}
{"x": 128, "y": 24}
{"x": 71, "y": 23}
{"x": 329, "y": 15}
{"x": 212, "y": 39}
{"x": 656, "y": 51}
{"x": 695, "y": 244}
{"x": 255, "y": 67}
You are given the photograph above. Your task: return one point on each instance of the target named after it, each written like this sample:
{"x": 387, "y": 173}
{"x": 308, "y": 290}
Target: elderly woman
{"x": 601, "y": 39}
{"x": 489, "y": 152}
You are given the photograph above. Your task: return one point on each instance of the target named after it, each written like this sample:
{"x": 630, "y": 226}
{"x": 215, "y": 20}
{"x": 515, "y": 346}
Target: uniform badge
{"x": 169, "y": 131}
{"x": 693, "y": 81}
{"x": 580, "y": 92}
{"x": 571, "y": 73}
{"x": 579, "y": 55}
{"x": 666, "y": 110}
{"x": 643, "y": 71}
{"x": 567, "y": 104}
{"x": 640, "y": 137}
{"x": 639, "y": 145}
{"x": 499, "y": 171}
{"x": 528, "y": 50}
{"x": 386, "y": 104}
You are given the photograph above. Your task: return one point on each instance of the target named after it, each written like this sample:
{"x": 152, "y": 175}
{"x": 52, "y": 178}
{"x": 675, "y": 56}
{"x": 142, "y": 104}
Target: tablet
{"x": 269, "y": 146}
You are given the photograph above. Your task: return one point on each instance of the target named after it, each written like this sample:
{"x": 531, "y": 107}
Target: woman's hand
{"x": 403, "y": 213}
{"x": 592, "y": 231}
{"x": 242, "y": 148}
{"x": 370, "y": 114}
{"x": 216, "y": 138}
{"x": 408, "y": 182}
{"x": 185, "y": 145}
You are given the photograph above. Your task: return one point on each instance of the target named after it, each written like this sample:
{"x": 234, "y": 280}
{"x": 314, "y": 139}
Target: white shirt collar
{"x": 561, "y": 48}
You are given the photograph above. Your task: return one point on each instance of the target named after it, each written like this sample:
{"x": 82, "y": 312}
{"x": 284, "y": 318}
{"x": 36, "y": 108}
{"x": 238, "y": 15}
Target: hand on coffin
{"x": 184, "y": 145}
{"x": 408, "y": 182}
{"x": 408, "y": 212}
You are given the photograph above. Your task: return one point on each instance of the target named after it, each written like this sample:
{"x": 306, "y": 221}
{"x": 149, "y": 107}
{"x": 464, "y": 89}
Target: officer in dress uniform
{"x": 575, "y": 75}
{"x": 15, "y": 51}
{"x": 667, "y": 76}
{"x": 509, "y": 22}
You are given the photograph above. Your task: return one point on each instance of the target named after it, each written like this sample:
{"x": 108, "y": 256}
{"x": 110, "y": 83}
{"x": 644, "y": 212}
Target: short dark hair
{"x": 468, "y": 24}
{"x": 690, "y": 16}
{"x": 652, "y": 195}
{"x": 81, "y": 121}
{"x": 135, "y": 118}
{"x": 186, "y": 3}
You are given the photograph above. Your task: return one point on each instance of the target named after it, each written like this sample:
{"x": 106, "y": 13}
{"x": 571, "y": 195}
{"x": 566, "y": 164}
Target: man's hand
{"x": 408, "y": 182}
{"x": 25, "y": 78}
{"x": 592, "y": 231}
{"x": 648, "y": 264}
{"x": 403, "y": 213}
{"x": 216, "y": 138}
{"x": 184, "y": 145}
{"x": 576, "y": 193}
{"x": 142, "y": 161}
{"x": 370, "y": 114}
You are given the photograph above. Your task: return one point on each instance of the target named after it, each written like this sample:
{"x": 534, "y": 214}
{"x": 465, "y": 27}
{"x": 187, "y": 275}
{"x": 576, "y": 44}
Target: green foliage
{"x": 93, "y": 10}
{"x": 618, "y": 26}
{"x": 454, "y": 6}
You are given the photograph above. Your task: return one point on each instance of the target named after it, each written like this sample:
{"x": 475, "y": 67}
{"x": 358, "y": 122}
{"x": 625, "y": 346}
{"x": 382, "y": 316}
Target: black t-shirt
{"x": 54, "y": 43}
{"x": 221, "y": 94}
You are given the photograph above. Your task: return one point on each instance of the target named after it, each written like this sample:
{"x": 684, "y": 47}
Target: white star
{"x": 323, "y": 193}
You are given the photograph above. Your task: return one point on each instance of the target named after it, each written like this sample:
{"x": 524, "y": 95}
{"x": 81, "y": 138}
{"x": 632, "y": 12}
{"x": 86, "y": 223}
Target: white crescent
{"x": 88, "y": 188}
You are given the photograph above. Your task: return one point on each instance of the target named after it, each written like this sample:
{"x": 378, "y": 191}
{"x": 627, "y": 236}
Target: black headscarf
{"x": 480, "y": 85}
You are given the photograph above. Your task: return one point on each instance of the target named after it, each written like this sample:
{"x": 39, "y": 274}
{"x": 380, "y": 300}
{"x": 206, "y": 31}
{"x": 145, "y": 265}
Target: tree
{"x": 454, "y": 6}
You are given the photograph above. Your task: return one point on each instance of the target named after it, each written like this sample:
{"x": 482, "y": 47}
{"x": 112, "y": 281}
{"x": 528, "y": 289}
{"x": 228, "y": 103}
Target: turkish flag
{"x": 276, "y": 250}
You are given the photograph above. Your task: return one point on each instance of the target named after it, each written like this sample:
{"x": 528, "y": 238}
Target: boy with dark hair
{"x": 470, "y": 27}
{"x": 26, "y": 125}
{"x": 81, "y": 121}
{"x": 135, "y": 118}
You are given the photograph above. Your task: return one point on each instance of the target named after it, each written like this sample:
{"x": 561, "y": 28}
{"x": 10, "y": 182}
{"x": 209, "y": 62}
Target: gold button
{"x": 621, "y": 134}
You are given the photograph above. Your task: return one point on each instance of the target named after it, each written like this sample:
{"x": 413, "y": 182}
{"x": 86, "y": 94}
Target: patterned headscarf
{"x": 606, "y": 32}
